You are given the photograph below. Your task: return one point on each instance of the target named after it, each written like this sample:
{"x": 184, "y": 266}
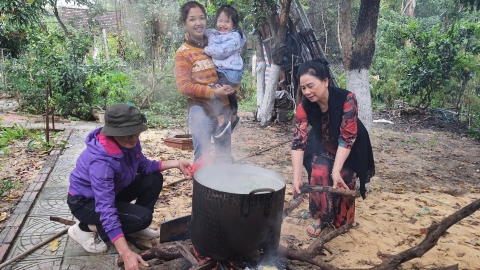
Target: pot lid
{"x": 238, "y": 178}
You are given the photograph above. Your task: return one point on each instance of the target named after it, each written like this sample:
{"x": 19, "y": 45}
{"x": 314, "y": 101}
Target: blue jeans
{"x": 202, "y": 127}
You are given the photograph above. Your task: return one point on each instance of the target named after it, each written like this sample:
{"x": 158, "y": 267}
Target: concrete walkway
{"x": 45, "y": 197}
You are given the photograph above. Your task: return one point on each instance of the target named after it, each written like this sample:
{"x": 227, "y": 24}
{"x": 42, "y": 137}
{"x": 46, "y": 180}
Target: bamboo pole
{"x": 47, "y": 116}
{"x": 25, "y": 253}
{"x": 53, "y": 107}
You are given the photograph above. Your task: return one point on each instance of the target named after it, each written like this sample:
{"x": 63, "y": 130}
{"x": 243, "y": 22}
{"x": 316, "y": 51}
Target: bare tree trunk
{"x": 322, "y": 12}
{"x": 358, "y": 82}
{"x": 357, "y": 58}
{"x": 409, "y": 8}
{"x": 345, "y": 33}
{"x": 278, "y": 30}
{"x": 260, "y": 71}
{"x": 53, "y": 3}
{"x": 266, "y": 109}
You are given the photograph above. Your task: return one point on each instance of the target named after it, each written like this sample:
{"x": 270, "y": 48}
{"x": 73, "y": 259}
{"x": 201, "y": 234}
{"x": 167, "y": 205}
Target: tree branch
{"x": 318, "y": 244}
{"x": 434, "y": 232}
{"x": 287, "y": 209}
{"x": 53, "y": 3}
{"x": 339, "y": 191}
{"x": 303, "y": 256}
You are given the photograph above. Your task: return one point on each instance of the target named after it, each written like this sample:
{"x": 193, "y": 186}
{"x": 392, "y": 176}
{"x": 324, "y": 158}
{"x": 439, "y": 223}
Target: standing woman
{"x": 195, "y": 75}
{"x": 336, "y": 152}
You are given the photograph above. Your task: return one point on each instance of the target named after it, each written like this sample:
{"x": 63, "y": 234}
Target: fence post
{"x": 105, "y": 44}
{"x": 47, "y": 110}
{"x": 53, "y": 107}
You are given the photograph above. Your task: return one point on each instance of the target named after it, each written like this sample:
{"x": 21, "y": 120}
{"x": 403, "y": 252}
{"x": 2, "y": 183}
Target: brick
{"x": 35, "y": 186}
{"x": 16, "y": 220}
{"x": 30, "y": 196}
{"x": 3, "y": 251}
{"x": 23, "y": 207}
{"x": 8, "y": 234}
{"x": 45, "y": 170}
{"x": 44, "y": 177}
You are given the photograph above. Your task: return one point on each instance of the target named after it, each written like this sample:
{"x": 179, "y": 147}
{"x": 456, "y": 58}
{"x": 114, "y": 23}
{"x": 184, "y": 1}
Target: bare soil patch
{"x": 421, "y": 160}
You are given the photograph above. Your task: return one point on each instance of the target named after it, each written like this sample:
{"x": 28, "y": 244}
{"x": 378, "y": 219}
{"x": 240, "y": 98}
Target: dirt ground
{"x": 421, "y": 160}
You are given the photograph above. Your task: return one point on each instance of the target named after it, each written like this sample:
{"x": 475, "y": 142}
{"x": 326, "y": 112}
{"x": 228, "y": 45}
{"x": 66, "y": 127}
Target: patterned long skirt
{"x": 330, "y": 208}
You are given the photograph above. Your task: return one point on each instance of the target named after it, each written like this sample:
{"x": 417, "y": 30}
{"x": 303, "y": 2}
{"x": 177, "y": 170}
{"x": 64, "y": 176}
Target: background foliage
{"x": 429, "y": 60}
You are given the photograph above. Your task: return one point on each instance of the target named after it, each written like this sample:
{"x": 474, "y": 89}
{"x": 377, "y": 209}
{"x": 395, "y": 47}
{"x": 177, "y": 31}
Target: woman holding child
{"x": 197, "y": 78}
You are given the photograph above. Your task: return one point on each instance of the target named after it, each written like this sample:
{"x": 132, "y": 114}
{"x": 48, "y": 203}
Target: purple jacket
{"x": 102, "y": 171}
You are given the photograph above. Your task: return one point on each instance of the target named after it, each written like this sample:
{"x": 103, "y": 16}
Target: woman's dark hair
{"x": 314, "y": 68}
{"x": 232, "y": 13}
{"x": 186, "y": 9}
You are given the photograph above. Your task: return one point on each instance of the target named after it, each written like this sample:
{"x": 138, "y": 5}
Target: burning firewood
{"x": 176, "y": 264}
{"x": 187, "y": 254}
{"x": 173, "y": 253}
{"x": 165, "y": 251}
{"x": 206, "y": 265}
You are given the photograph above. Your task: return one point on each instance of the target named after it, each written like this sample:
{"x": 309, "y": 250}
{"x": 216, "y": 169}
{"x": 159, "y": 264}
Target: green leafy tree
{"x": 434, "y": 57}
{"x": 15, "y": 17}
{"x": 50, "y": 55}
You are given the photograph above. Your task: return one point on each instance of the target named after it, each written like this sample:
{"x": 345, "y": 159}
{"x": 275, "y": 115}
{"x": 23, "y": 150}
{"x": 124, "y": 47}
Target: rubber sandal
{"x": 356, "y": 226}
{"x": 315, "y": 227}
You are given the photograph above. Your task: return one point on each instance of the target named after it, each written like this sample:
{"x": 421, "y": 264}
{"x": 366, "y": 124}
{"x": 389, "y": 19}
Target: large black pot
{"x": 236, "y": 212}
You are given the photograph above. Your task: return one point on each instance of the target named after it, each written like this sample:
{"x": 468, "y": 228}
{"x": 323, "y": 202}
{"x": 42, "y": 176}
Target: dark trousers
{"x": 133, "y": 217}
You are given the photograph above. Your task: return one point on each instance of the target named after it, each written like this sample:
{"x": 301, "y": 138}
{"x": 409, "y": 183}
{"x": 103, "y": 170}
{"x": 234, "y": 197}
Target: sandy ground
{"x": 420, "y": 161}
{"x": 409, "y": 177}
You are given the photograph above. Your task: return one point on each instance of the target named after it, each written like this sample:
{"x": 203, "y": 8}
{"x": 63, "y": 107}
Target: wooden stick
{"x": 47, "y": 109}
{"x": 62, "y": 220}
{"x": 287, "y": 209}
{"x": 301, "y": 255}
{"x": 46, "y": 241}
{"x": 206, "y": 265}
{"x": 339, "y": 191}
{"x": 162, "y": 252}
{"x": 176, "y": 182}
{"x": 264, "y": 150}
{"x": 138, "y": 243}
{"x": 175, "y": 264}
{"x": 187, "y": 254}
{"x": 434, "y": 232}
{"x": 318, "y": 244}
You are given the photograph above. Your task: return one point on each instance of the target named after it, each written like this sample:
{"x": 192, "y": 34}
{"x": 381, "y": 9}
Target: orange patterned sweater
{"x": 194, "y": 72}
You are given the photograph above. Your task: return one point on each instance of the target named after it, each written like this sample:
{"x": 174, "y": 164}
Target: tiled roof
{"x": 80, "y": 19}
